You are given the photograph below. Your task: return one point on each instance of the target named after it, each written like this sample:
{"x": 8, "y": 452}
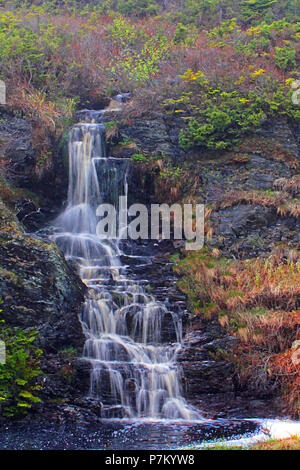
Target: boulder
{"x": 38, "y": 287}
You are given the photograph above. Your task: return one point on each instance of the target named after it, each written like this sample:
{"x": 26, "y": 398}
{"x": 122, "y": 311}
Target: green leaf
{"x": 23, "y": 404}
{"x": 21, "y": 381}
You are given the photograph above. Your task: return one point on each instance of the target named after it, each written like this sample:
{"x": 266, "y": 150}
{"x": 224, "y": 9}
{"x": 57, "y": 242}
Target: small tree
{"x": 253, "y": 9}
{"x": 285, "y": 58}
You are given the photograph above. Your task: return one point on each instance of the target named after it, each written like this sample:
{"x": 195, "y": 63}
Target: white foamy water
{"x": 270, "y": 429}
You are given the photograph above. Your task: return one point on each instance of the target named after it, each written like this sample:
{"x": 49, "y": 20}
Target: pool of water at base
{"x": 124, "y": 435}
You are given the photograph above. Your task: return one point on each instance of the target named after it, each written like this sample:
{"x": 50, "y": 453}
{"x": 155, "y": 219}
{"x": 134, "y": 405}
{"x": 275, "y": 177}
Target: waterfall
{"x": 133, "y": 371}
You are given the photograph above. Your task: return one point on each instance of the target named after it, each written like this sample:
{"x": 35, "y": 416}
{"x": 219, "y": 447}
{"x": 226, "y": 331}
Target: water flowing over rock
{"x": 132, "y": 367}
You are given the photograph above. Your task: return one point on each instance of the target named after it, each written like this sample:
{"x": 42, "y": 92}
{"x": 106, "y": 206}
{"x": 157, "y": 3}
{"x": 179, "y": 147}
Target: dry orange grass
{"x": 281, "y": 201}
{"x": 291, "y": 185}
{"x": 273, "y": 283}
{"x": 258, "y": 301}
{"x": 281, "y": 444}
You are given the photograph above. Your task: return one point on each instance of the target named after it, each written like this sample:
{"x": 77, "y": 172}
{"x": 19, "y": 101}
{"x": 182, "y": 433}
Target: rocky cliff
{"x": 38, "y": 288}
{"x": 250, "y": 194}
{"x": 243, "y": 190}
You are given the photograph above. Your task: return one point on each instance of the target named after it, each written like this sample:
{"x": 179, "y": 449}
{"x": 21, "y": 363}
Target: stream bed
{"x": 124, "y": 435}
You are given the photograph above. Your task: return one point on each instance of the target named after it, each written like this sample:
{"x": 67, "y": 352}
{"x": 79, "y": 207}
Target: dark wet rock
{"x": 38, "y": 287}
{"x": 256, "y": 173}
{"x": 19, "y": 156}
{"x": 247, "y": 230}
{"x": 65, "y": 380}
{"x": 150, "y": 136}
{"x": 239, "y": 220}
{"x": 31, "y": 216}
{"x": 282, "y": 132}
{"x": 209, "y": 379}
{"x": 22, "y": 168}
{"x": 201, "y": 372}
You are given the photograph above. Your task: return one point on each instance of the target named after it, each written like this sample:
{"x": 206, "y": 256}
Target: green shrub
{"x": 224, "y": 119}
{"x": 172, "y": 175}
{"x": 19, "y": 374}
{"x": 181, "y": 34}
{"x": 137, "y": 7}
{"x": 140, "y": 158}
{"x": 253, "y": 9}
{"x": 285, "y": 58}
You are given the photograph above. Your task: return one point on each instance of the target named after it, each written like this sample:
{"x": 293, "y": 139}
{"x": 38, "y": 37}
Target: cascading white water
{"x": 133, "y": 372}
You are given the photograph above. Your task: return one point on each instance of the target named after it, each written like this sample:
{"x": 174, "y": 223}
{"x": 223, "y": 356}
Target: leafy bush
{"x": 19, "y": 374}
{"x": 285, "y": 58}
{"x": 181, "y": 34}
{"x": 252, "y": 10}
{"x": 138, "y": 8}
{"x": 224, "y": 119}
{"x": 143, "y": 64}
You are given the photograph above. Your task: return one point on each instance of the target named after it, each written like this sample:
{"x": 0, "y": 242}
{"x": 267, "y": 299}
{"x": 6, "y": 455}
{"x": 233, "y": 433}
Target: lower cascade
{"x": 133, "y": 372}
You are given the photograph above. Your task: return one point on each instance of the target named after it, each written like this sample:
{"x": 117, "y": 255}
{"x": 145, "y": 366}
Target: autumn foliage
{"x": 257, "y": 301}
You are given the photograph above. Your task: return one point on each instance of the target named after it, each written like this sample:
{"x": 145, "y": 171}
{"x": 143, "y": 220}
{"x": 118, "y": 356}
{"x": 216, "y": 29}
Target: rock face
{"x": 31, "y": 216}
{"x": 240, "y": 230}
{"x": 252, "y": 230}
{"x": 210, "y": 382}
{"x": 248, "y": 172}
{"x": 245, "y": 229}
{"x": 150, "y": 135}
{"x": 38, "y": 287}
{"x": 17, "y": 150}
{"x": 23, "y": 169}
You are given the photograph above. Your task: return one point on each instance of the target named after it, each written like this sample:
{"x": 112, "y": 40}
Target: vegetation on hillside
{"x": 257, "y": 301}
{"x": 222, "y": 74}
{"x": 221, "y": 67}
